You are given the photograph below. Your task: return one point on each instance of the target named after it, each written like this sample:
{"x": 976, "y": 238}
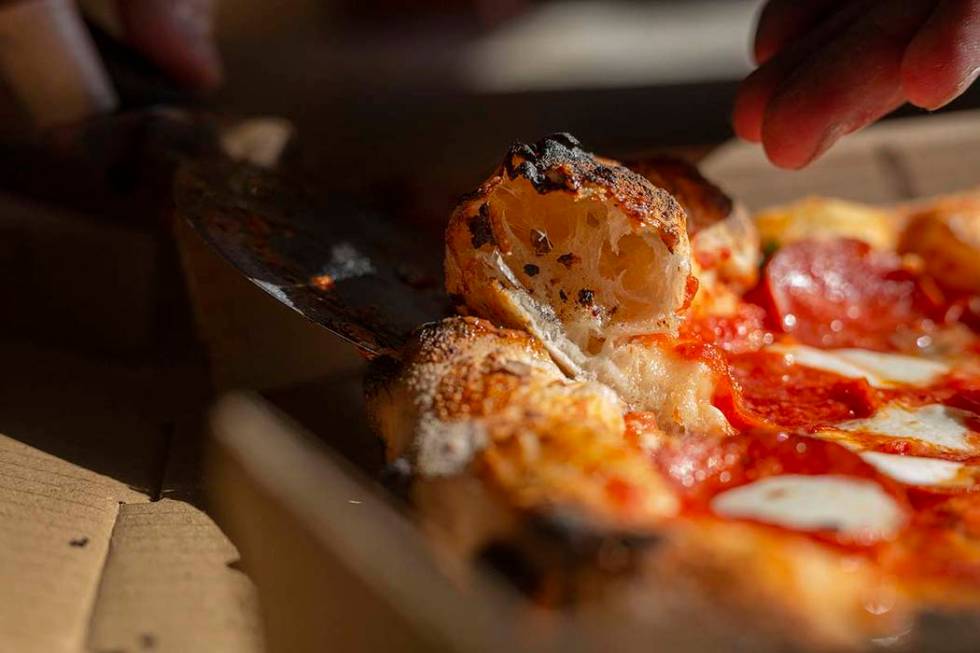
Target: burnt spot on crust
{"x": 507, "y": 559}
{"x": 558, "y": 163}
{"x": 704, "y": 202}
{"x": 547, "y": 163}
{"x": 531, "y": 270}
{"x": 586, "y": 297}
{"x": 569, "y": 259}
{"x": 589, "y": 542}
{"x": 563, "y": 295}
{"x": 540, "y": 242}
{"x": 481, "y": 230}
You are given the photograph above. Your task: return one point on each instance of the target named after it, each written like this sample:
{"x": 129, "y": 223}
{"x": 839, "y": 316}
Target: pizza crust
{"x": 576, "y": 274}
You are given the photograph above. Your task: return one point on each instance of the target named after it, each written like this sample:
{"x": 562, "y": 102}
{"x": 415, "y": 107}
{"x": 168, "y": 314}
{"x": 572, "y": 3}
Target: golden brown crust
{"x": 558, "y": 163}
{"x": 945, "y": 234}
{"x": 706, "y": 204}
{"x": 571, "y": 247}
{"x": 724, "y": 241}
{"x": 495, "y": 430}
{"x": 471, "y": 398}
{"x": 826, "y": 217}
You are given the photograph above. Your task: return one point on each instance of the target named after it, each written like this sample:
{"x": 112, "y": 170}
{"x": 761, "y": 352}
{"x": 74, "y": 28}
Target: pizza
{"x": 648, "y": 394}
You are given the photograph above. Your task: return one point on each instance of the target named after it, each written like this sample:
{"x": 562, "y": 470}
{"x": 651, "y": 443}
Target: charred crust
{"x": 582, "y": 537}
{"x": 512, "y": 564}
{"x": 586, "y": 297}
{"x": 558, "y": 163}
{"x": 481, "y": 228}
{"x": 704, "y": 202}
{"x": 563, "y": 295}
{"x": 531, "y": 270}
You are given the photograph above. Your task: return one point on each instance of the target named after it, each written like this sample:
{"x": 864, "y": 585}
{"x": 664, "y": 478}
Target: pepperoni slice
{"x": 842, "y": 293}
{"x": 701, "y": 467}
{"x": 769, "y": 390}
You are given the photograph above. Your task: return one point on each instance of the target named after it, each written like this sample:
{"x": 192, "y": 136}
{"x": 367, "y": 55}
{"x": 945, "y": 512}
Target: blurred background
{"x": 419, "y": 99}
{"x": 415, "y": 96}
{"x": 425, "y": 94}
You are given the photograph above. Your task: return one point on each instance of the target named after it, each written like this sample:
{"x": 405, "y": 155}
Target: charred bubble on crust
{"x": 559, "y": 548}
{"x": 563, "y": 295}
{"x": 586, "y": 541}
{"x": 704, "y": 202}
{"x": 481, "y": 228}
{"x": 531, "y": 270}
{"x": 586, "y": 297}
{"x": 558, "y": 163}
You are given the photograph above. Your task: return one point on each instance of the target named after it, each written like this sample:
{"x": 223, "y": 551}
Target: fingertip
{"x": 762, "y": 51}
{"x": 931, "y": 84}
{"x": 750, "y": 106}
{"x": 786, "y": 154}
{"x": 745, "y": 127}
{"x": 944, "y": 57}
{"x": 176, "y": 35}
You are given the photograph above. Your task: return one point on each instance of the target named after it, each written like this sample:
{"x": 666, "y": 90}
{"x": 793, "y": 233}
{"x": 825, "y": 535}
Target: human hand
{"x": 49, "y": 61}
{"x": 174, "y": 34}
{"x": 830, "y": 67}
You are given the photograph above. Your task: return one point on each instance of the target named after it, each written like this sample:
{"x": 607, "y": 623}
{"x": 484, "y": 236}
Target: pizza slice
{"x": 646, "y": 399}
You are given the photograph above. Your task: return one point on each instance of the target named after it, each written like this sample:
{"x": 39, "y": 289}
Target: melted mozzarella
{"x": 933, "y": 423}
{"x": 895, "y": 368}
{"x": 820, "y": 360}
{"x": 881, "y": 370}
{"x": 851, "y": 506}
{"x": 914, "y": 470}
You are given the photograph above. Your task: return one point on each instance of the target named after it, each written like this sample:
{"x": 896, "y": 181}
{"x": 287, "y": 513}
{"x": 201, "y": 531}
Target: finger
{"x": 176, "y": 35}
{"x": 755, "y": 92}
{"x": 850, "y": 83}
{"x": 944, "y": 58}
{"x": 49, "y": 62}
{"x": 784, "y": 21}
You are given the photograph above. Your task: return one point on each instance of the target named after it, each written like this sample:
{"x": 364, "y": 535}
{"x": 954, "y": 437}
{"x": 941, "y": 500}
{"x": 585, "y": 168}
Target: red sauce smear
{"x": 745, "y": 330}
{"x": 828, "y": 294}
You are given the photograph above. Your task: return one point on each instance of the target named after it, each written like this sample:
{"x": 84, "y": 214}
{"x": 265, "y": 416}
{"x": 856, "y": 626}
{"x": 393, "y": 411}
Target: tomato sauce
{"x": 830, "y": 294}
{"x": 745, "y": 330}
{"x": 771, "y": 390}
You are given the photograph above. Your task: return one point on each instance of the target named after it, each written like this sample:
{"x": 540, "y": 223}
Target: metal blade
{"x": 360, "y": 274}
